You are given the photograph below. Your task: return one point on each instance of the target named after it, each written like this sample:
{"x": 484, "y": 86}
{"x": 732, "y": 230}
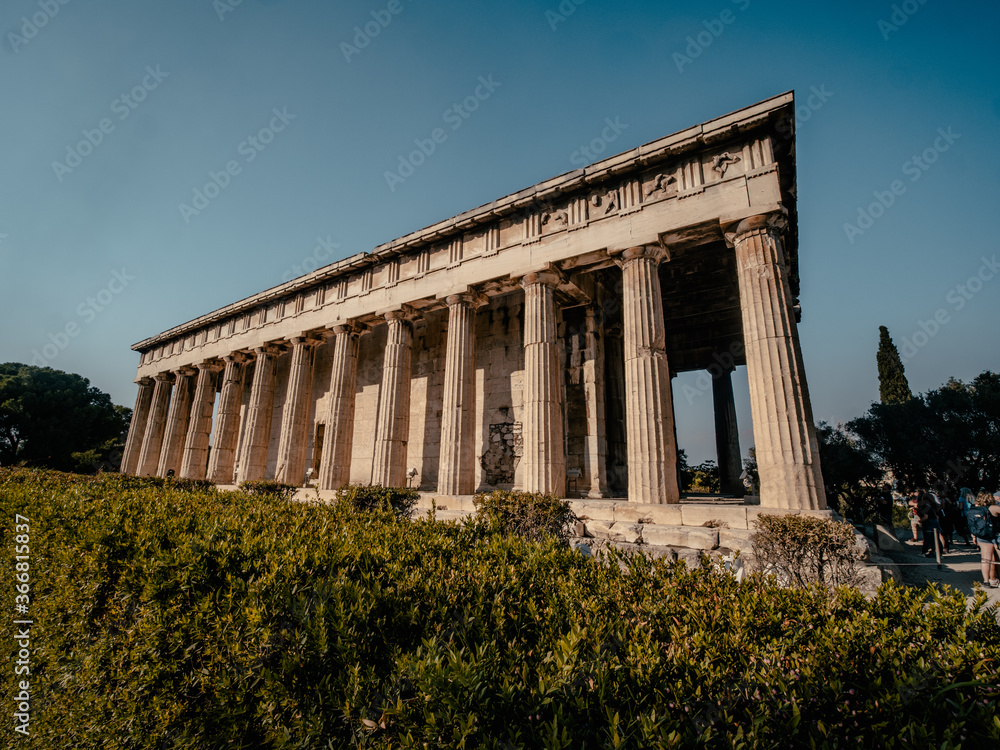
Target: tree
{"x": 892, "y": 385}
{"x": 948, "y": 436}
{"x": 57, "y": 420}
{"x": 850, "y": 470}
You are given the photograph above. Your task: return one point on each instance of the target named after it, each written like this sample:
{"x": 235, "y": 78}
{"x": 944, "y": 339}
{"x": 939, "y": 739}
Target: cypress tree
{"x": 892, "y": 385}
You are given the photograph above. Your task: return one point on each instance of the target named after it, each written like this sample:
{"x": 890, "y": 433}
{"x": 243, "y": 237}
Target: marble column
{"x": 338, "y": 435}
{"x": 457, "y": 468}
{"x": 392, "y": 430}
{"x": 594, "y": 389}
{"x": 177, "y": 422}
{"x": 544, "y": 459}
{"x": 615, "y": 412}
{"x": 194, "y": 464}
{"x": 152, "y": 441}
{"x": 727, "y": 436}
{"x": 257, "y": 435}
{"x": 784, "y": 435}
{"x": 137, "y": 427}
{"x": 652, "y": 448}
{"x": 222, "y": 459}
{"x": 293, "y": 442}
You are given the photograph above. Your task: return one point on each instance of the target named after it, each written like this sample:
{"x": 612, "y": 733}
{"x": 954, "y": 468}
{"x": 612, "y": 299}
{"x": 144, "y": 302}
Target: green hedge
{"x": 529, "y": 515}
{"x": 201, "y": 619}
{"x": 804, "y": 549}
{"x": 268, "y": 487}
{"x": 363, "y": 498}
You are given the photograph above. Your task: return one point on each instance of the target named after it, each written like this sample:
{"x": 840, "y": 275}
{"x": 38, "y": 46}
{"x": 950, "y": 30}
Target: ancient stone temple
{"x": 528, "y": 343}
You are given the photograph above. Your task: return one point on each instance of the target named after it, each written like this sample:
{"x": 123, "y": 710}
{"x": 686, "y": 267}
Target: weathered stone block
{"x": 738, "y": 540}
{"x": 730, "y": 516}
{"x": 594, "y": 509}
{"x": 690, "y": 557}
{"x": 663, "y": 515}
{"x": 632, "y": 513}
{"x": 603, "y": 530}
{"x": 681, "y": 536}
{"x": 887, "y": 540}
{"x": 630, "y": 532}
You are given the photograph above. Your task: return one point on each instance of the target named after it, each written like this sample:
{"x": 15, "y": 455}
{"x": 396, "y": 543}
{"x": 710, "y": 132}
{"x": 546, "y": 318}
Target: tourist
{"x": 883, "y": 502}
{"x": 965, "y": 501}
{"x": 911, "y": 513}
{"x": 948, "y": 509}
{"x": 927, "y": 510}
{"x": 984, "y": 525}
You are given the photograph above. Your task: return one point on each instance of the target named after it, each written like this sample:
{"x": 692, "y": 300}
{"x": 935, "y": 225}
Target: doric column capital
{"x": 185, "y": 371}
{"x": 212, "y": 365}
{"x": 776, "y": 221}
{"x": 655, "y": 253}
{"x": 273, "y": 349}
{"x": 472, "y": 299}
{"x": 164, "y": 377}
{"x": 547, "y": 278}
{"x": 351, "y": 328}
{"x": 403, "y": 315}
{"x": 237, "y": 357}
{"x": 144, "y": 381}
{"x": 304, "y": 340}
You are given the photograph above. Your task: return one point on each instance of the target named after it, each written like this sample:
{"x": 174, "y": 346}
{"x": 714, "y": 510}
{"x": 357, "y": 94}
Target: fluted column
{"x": 649, "y": 409}
{"x": 457, "y": 469}
{"x": 194, "y": 464}
{"x": 594, "y": 389}
{"x": 137, "y": 427}
{"x": 338, "y": 435}
{"x": 177, "y": 422}
{"x": 544, "y": 457}
{"x": 152, "y": 442}
{"x": 784, "y": 435}
{"x": 393, "y": 426}
{"x": 292, "y": 444}
{"x": 257, "y": 435}
{"x": 727, "y": 436}
{"x": 222, "y": 459}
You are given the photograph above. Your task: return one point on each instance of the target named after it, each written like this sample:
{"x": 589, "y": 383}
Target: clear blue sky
{"x": 211, "y": 74}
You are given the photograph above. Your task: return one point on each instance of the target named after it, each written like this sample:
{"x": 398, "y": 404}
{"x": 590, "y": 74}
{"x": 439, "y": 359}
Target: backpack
{"x": 981, "y": 523}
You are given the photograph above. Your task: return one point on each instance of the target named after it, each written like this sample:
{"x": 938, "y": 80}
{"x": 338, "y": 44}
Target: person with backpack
{"x": 984, "y": 521}
{"x": 965, "y": 501}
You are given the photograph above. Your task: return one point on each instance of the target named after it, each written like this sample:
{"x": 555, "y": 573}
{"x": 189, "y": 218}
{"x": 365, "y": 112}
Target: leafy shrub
{"x": 172, "y": 619}
{"x": 367, "y": 498}
{"x": 526, "y": 514}
{"x": 268, "y": 487}
{"x": 803, "y": 550}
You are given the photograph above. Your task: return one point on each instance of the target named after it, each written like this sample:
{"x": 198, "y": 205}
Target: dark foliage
{"x": 365, "y": 498}
{"x": 851, "y": 473}
{"x": 529, "y": 515}
{"x": 177, "y": 619}
{"x": 948, "y": 436}
{"x": 893, "y": 387}
{"x": 55, "y": 419}
{"x": 268, "y": 488}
